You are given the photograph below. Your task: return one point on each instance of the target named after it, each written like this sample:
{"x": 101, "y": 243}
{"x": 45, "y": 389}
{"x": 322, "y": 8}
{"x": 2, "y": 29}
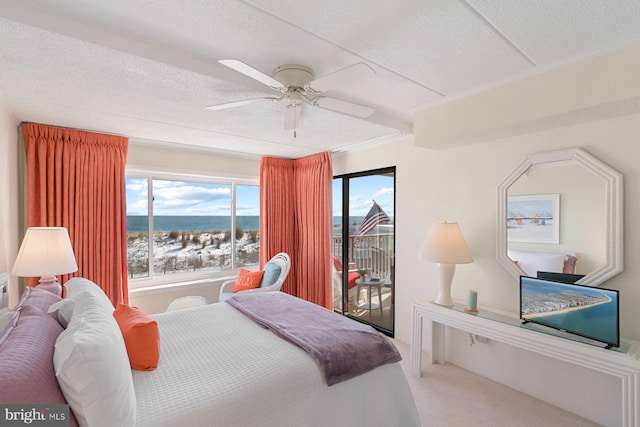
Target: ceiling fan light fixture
{"x": 295, "y": 84}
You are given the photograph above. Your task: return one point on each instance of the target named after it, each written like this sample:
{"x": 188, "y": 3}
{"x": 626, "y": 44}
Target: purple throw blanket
{"x": 343, "y": 348}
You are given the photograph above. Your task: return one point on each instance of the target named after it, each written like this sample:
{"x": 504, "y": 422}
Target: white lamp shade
{"x": 45, "y": 251}
{"x": 445, "y": 244}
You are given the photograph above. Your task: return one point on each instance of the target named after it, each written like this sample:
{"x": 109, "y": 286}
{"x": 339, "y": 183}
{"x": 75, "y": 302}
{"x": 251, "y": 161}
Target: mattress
{"x": 219, "y": 368}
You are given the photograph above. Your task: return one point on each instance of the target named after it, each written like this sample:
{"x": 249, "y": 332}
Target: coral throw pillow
{"x": 141, "y": 337}
{"x": 247, "y": 280}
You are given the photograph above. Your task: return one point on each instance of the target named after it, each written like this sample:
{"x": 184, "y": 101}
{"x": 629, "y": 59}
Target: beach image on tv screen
{"x": 587, "y": 311}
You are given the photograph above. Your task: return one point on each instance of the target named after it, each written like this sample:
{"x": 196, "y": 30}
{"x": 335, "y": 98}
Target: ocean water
{"x": 599, "y": 322}
{"x": 139, "y": 223}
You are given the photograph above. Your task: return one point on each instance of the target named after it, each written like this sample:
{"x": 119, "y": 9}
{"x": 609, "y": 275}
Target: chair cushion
{"x": 271, "y": 273}
{"x": 337, "y": 264}
{"x": 247, "y": 280}
{"x": 352, "y": 277}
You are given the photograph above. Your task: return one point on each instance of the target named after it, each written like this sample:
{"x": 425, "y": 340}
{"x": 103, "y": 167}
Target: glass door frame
{"x": 344, "y": 255}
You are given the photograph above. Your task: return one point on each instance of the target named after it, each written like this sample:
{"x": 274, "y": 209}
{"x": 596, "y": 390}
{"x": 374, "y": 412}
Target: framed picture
{"x": 533, "y": 219}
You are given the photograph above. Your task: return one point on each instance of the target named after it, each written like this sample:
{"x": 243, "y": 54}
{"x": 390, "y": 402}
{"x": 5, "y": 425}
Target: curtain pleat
{"x": 277, "y": 214}
{"x": 295, "y": 217}
{"x": 76, "y": 179}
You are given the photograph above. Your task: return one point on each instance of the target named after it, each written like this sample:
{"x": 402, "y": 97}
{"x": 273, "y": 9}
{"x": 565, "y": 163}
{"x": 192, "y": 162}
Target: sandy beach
{"x": 564, "y": 310}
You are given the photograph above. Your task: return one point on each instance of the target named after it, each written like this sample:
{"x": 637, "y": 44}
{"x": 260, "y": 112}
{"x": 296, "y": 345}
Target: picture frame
{"x": 533, "y": 218}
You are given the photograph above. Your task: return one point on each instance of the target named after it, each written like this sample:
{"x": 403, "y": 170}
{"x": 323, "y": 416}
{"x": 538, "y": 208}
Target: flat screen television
{"x": 559, "y": 277}
{"x": 580, "y": 310}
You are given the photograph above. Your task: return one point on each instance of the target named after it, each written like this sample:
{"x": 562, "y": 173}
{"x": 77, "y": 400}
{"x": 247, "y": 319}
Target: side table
{"x": 623, "y": 364}
{"x": 368, "y": 284}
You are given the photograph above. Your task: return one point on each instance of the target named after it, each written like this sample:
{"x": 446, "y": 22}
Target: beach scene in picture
{"x": 533, "y": 219}
{"x": 587, "y": 311}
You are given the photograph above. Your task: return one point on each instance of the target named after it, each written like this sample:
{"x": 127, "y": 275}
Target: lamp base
{"x": 442, "y": 300}
{"x": 445, "y": 276}
{"x": 50, "y": 284}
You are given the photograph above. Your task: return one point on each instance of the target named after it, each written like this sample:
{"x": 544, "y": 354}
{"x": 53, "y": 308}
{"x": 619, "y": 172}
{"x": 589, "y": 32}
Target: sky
{"x": 191, "y": 198}
{"x": 363, "y": 191}
{"x": 196, "y": 198}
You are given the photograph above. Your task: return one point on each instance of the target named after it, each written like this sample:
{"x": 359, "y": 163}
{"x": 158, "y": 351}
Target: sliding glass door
{"x": 364, "y": 247}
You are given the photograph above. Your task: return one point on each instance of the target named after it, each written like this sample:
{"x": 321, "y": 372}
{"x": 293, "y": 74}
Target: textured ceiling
{"x": 148, "y": 69}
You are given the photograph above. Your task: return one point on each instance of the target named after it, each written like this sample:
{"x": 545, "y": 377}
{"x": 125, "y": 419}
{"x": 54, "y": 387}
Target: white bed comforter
{"x": 218, "y": 368}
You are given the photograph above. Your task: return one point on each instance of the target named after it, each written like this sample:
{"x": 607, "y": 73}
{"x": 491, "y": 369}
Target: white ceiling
{"x": 147, "y": 69}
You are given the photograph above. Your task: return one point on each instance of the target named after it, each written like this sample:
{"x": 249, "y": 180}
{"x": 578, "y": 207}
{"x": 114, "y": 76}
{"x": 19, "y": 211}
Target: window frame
{"x": 158, "y": 173}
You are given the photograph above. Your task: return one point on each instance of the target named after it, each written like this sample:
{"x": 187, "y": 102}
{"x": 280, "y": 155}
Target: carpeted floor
{"x": 450, "y": 396}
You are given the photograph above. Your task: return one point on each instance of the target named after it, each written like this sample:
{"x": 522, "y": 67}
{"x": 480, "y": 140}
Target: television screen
{"x": 585, "y": 311}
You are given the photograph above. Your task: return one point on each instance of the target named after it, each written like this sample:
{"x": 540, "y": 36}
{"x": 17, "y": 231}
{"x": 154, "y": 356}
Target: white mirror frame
{"x": 614, "y": 203}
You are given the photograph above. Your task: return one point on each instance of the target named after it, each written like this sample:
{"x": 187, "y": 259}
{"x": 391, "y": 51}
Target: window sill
{"x": 160, "y": 288}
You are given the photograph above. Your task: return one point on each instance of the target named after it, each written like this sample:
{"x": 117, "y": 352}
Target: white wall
{"x": 9, "y": 220}
{"x": 460, "y": 184}
{"x": 197, "y": 161}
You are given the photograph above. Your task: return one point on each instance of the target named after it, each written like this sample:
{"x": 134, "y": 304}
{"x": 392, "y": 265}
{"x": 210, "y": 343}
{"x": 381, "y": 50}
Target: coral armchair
{"x": 275, "y": 270}
{"x": 352, "y": 276}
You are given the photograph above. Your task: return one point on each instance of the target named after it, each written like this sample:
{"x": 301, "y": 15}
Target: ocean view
{"x": 189, "y": 243}
{"x": 138, "y": 223}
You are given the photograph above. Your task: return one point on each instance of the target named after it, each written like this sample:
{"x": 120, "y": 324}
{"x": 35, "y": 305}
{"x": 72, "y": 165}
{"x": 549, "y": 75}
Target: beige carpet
{"x": 450, "y": 396}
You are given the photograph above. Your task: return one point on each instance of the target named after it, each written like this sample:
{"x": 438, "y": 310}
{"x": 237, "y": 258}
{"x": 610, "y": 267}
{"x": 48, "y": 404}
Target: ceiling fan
{"x": 296, "y": 84}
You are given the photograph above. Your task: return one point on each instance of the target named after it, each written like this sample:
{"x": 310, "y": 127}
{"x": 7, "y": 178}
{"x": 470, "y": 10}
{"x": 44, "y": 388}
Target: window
{"x": 364, "y": 247}
{"x": 200, "y": 226}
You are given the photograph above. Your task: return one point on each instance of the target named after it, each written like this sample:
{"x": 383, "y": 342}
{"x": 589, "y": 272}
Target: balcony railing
{"x": 375, "y": 252}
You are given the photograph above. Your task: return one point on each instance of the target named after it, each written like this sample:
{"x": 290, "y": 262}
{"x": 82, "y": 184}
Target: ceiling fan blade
{"x": 240, "y": 103}
{"x": 292, "y": 116}
{"x": 345, "y": 107}
{"x": 249, "y": 71}
{"x": 341, "y": 78}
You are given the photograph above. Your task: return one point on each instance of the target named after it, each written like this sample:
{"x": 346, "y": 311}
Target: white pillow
{"x": 78, "y": 288}
{"x": 532, "y": 262}
{"x": 91, "y": 363}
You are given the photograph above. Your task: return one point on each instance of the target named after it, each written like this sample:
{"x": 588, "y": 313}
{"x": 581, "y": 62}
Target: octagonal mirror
{"x": 561, "y": 212}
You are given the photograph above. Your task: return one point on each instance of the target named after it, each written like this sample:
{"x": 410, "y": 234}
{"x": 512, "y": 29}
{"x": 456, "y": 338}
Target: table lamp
{"x": 45, "y": 252}
{"x": 445, "y": 245}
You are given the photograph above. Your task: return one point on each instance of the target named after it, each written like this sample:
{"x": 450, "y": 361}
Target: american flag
{"x": 375, "y": 216}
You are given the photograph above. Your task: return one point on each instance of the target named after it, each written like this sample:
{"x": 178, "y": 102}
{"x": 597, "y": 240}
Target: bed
{"x": 217, "y": 367}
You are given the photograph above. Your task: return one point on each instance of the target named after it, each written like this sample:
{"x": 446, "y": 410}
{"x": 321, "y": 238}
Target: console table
{"x": 623, "y": 363}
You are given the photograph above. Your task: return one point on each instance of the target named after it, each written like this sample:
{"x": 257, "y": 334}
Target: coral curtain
{"x": 76, "y": 179}
{"x": 295, "y": 217}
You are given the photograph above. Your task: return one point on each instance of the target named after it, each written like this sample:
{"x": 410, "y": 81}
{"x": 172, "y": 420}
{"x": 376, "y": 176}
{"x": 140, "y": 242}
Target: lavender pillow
{"x": 26, "y": 359}
{"x": 38, "y": 298}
